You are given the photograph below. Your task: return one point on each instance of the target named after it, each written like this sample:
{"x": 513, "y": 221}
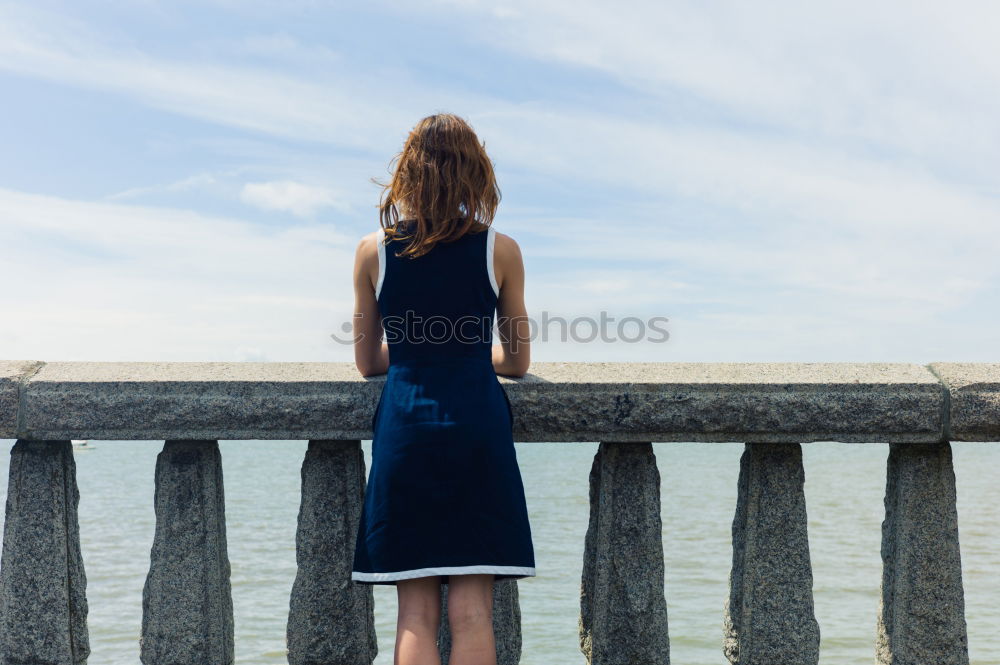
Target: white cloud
{"x": 111, "y": 281}
{"x": 294, "y": 197}
{"x": 920, "y": 79}
{"x": 801, "y": 217}
{"x": 815, "y": 165}
{"x": 285, "y": 47}
{"x": 254, "y": 99}
{"x": 197, "y": 181}
{"x": 124, "y": 282}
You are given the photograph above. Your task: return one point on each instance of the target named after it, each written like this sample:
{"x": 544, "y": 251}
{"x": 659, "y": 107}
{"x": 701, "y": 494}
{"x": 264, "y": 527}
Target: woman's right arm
{"x": 512, "y": 356}
{"x": 371, "y": 354}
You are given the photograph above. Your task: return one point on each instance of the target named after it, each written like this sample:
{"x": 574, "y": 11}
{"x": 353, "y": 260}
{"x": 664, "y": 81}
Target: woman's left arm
{"x": 371, "y": 354}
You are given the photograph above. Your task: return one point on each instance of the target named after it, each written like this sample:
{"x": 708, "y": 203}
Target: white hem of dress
{"x": 442, "y": 570}
{"x": 490, "y": 238}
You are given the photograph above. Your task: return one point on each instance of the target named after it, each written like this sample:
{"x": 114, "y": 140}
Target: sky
{"x": 780, "y": 181}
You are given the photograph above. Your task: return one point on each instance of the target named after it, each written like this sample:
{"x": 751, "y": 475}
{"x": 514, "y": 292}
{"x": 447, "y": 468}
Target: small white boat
{"x": 82, "y": 444}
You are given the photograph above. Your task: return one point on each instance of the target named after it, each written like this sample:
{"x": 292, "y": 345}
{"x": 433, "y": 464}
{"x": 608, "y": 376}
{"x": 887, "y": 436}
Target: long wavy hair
{"x": 443, "y": 185}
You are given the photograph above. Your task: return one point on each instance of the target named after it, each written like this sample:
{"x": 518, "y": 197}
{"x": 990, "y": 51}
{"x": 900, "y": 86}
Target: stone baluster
{"x": 921, "y": 616}
{"x": 331, "y": 619}
{"x": 187, "y": 607}
{"x": 623, "y": 608}
{"x": 769, "y": 617}
{"x": 43, "y": 599}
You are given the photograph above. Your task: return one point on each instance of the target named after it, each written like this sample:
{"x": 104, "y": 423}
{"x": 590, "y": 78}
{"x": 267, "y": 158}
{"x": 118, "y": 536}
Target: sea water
{"x": 844, "y": 490}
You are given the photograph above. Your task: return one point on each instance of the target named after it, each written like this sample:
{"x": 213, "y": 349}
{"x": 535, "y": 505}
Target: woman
{"x": 444, "y": 502}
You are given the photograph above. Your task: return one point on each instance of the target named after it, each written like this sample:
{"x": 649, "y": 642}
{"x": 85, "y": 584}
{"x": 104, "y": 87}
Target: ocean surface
{"x": 844, "y": 492}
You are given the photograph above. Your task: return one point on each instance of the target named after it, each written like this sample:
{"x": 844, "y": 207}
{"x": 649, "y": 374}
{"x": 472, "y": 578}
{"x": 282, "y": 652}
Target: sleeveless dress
{"x": 444, "y": 494}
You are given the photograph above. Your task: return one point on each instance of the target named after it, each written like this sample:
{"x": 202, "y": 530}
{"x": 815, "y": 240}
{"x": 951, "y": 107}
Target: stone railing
{"x": 773, "y": 408}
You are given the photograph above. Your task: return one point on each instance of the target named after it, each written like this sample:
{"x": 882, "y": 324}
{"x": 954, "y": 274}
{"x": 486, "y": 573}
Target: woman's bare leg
{"x": 470, "y": 618}
{"x": 418, "y": 622}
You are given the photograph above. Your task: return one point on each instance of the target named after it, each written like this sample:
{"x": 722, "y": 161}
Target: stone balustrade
{"x": 772, "y": 407}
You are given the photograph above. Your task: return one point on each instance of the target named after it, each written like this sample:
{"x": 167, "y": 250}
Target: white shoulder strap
{"x": 380, "y": 242}
{"x": 490, "y": 240}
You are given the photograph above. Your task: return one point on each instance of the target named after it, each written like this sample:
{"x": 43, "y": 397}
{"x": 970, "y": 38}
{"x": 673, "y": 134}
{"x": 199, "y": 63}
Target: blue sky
{"x": 782, "y": 180}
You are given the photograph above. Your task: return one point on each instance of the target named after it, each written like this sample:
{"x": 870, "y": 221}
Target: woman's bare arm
{"x": 371, "y": 354}
{"x": 512, "y": 356}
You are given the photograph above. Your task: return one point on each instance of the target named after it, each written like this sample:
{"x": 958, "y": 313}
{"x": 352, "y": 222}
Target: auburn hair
{"x": 443, "y": 181}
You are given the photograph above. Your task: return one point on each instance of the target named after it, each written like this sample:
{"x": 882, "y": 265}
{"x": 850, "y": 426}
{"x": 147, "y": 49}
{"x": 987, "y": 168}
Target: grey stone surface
{"x": 974, "y": 390}
{"x": 187, "y": 606}
{"x": 768, "y": 617}
{"x": 156, "y": 401}
{"x": 623, "y": 609}
{"x": 793, "y": 402}
{"x": 727, "y": 402}
{"x": 506, "y": 623}
{"x": 12, "y": 374}
{"x": 921, "y": 615}
{"x": 43, "y": 599}
{"x": 331, "y": 619}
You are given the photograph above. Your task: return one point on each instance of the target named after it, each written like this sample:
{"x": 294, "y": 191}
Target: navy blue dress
{"x": 444, "y": 494}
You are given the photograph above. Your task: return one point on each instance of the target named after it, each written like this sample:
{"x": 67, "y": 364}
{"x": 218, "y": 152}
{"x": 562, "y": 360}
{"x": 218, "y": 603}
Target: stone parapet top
{"x": 556, "y": 401}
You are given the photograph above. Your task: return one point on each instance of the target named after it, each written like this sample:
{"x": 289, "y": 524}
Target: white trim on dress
{"x": 490, "y": 239}
{"x": 442, "y": 570}
{"x": 380, "y": 242}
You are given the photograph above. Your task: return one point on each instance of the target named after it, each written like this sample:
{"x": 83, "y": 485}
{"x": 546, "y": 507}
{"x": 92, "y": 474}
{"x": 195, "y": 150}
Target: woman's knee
{"x": 470, "y": 602}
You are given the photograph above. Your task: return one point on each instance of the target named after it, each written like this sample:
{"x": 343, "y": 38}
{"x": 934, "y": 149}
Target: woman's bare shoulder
{"x": 367, "y": 246}
{"x": 505, "y": 247}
